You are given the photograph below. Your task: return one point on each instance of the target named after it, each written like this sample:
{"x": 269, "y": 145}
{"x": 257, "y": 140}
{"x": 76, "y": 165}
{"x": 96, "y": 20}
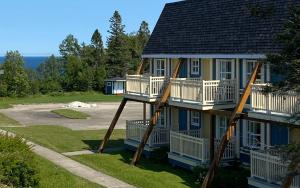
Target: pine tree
{"x": 143, "y": 35}
{"x": 118, "y": 52}
{"x": 69, "y": 47}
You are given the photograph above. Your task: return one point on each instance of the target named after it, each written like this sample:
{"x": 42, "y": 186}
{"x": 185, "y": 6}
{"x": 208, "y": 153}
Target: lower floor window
{"x": 195, "y": 118}
{"x": 254, "y": 134}
{"x": 221, "y": 127}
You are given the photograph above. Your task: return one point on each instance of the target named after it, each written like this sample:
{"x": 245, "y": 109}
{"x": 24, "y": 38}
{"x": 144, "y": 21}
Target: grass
{"x": 7, "y": 102}
{"x": 148, "y": 174}
{"x": 62, "y": 139}
{"x": 71, "y": 114}
{"x": 55, "y": 176}
{"x": 6, "y": 121}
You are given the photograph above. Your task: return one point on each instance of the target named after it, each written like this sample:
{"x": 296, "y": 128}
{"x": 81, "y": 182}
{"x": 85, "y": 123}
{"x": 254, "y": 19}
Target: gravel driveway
{"x": 101, "y": 116}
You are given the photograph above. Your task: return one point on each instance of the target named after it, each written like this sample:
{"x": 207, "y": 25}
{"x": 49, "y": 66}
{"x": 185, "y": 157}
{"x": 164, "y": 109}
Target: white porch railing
{"x": 229, "y": 151}
{"x": 146, "y": 86}
{"x": 275, "y": 103}
{"x": 204, "y": 92}
{"x": 270, "y": 168}
{"x": 189, "y": 144}
{"x": 135, "y": 131}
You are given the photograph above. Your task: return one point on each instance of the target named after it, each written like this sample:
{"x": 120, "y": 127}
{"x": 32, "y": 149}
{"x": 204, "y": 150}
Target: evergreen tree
{"x": 118, "y": 52}
{"x": 287, "y": 63}
{"x": 49, "y": 74}
{"x": 143, "y": 35}
{"x": 69, "y": 47}
{"x": 15, "y": 78}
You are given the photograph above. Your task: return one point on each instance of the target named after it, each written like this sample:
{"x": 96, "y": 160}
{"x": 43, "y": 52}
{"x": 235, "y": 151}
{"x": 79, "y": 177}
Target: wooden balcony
{"x": 135, "y": 131}
{"x": 269, "y": 169}
{"x": 202, "y": 94}
{"x": 144, "y": 88}
{"x": 282, "y": 107}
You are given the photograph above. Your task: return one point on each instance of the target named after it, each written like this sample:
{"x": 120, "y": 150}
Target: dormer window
{"x": 195, "y": 66}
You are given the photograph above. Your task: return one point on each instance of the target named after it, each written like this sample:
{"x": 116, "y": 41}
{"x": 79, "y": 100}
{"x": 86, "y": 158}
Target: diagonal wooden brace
{"x": 153, "y": 120}
{"x": 230, "y": 129}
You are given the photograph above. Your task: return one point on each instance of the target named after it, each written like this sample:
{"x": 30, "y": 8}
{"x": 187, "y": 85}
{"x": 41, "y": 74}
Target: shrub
{"x": 232, "y": 176}
{"x": 17, "y": 163}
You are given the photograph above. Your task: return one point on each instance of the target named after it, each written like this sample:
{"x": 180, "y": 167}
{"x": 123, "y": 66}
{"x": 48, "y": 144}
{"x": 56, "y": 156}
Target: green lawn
{"x": 148, "y": 174}
{"x": 6, "y": 121}
{"x": 63, "y": 139}
{"x": 71, "y": 114}
{"x": 6, "y": 102}
{"x": 55, "y": 176}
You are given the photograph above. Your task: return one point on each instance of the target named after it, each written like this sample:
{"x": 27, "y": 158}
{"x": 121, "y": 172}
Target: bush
{"x": 17, "y": 163}
{"x": 231, "y": 176}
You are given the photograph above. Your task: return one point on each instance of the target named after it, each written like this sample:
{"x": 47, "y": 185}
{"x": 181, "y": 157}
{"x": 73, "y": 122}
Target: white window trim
{"x": 245, "y": 135}
{"x": 245, "y": 73}
{"x": 198, "y": 66}
{"x": 218, "y": 134}
{"x": 160, "y": 69}
{"x": 192, "y": 117}
{"x": 218, "y": 68}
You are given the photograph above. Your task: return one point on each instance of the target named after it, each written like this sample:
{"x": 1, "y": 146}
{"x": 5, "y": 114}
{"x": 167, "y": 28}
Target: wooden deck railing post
{"x": 230, "y": 129}
{"x": 119, "y": 111}
{"x": 154, "y": 118}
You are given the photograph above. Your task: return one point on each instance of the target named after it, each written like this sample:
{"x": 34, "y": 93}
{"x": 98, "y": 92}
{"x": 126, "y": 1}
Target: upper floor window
{"x": 160, "y": 67}
{"x": 250, "y": 65}
{"x": 226, "y": 69}
{"x": 195, "y": 118}
{"x": 195, "y": 66}
{"x": 221, "y": 128}
{"x": 253, "y": 135}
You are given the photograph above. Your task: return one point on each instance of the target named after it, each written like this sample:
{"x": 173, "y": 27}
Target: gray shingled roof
{"x": 219, "y": 27}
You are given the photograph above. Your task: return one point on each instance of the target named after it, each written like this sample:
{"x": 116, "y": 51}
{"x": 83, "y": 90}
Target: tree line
{"x": 80, "y": 67}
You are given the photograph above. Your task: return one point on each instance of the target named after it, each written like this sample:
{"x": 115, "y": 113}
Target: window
{"x": 160, "y": 67}
{"x": 254, "y": 132}
{"x": 109, "y": 84}
{"x": 250, "y": 65}
{"x": 161, "y": 121}
{"x": 195, "y": 118}
{"x": 226, "y": 69}
{"x": 221, "y": 128}
{"x": 195, "y": 66}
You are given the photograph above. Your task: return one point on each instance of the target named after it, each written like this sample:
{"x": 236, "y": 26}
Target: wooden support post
{"x": 212, "y": 138}
{"x": 144, "y": 113}
{"x": 112, "y": 125}
{"x": 141, "y": 67}
{"x": 153, "y": 120}
{"x": 230, "y": 130}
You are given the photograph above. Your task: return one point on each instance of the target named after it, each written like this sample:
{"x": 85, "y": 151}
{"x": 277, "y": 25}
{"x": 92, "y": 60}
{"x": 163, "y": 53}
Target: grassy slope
{"x": 148, "y": 174}
{"x": 6, "y": 102}
{"x": 54, "y": 176}
{"x": 6, "y": 121}
{"x": 71, "y": 114}
{"x": 64, "y": 140}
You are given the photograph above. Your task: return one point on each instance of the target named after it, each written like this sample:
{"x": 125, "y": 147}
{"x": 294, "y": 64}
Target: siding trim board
{"x": 207, "y": 56}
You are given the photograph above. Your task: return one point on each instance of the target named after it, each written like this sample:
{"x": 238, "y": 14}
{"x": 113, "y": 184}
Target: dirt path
{"x": 101, "y": 116}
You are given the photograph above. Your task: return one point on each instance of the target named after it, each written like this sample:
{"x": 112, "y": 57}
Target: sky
{"x": 37, "y": 27}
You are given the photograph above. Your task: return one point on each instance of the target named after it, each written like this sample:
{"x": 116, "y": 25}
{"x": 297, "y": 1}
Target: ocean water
{"x": 30, "y": 62}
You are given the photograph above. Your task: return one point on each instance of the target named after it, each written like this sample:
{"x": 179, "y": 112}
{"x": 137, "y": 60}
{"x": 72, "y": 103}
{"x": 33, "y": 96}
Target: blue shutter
{"x": 279, "y": 135}
{"x": 182, "y": 119}
{"x": 183, "y": 70}
{"x": 241, "y": 74}
{"x": 214, "y": 69}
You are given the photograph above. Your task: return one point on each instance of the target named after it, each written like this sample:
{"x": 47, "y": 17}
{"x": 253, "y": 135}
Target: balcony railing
{"x": 274, "y": 103}
{"x": 135, "y": 131}
{"x": 189, "y": 144}
{"x": 204, "y": 92}
{"x": 270, "y": 168}
{"x": 229, "y": 153}
{"x": 145, "y": 86}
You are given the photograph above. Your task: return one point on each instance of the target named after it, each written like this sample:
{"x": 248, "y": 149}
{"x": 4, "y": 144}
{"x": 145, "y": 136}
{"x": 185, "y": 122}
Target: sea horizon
{"x": 31, "y": 62}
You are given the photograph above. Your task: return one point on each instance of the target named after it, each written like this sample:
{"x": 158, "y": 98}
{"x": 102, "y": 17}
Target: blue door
{"x": 279, "y": 135}
{"x": 182, "y": 119}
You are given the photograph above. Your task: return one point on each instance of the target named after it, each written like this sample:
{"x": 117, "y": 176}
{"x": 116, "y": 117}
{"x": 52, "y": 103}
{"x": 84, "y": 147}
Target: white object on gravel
{"x": 77, "y": 104}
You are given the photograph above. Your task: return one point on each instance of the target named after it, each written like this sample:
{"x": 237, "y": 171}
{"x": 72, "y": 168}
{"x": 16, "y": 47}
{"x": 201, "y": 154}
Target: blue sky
{"x": 36, "y": 27}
